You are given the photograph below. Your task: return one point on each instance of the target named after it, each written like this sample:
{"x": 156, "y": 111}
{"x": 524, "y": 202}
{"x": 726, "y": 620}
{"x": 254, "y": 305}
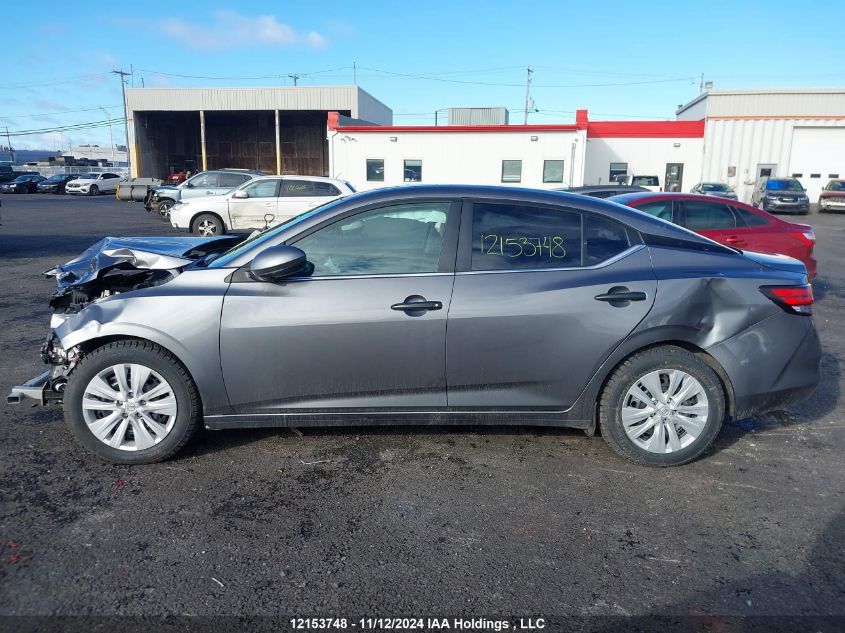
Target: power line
{"x": 77, "y": 79}
{"x": 27, "y": 116}
{"x": 68, "y": 128}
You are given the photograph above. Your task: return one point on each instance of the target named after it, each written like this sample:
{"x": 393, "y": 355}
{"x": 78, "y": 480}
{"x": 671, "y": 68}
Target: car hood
{"x": 167, "y": 188}
{"x": 777, "y": 262}
{"x": 833, "y": 194}
{"x": 138, "y": 253}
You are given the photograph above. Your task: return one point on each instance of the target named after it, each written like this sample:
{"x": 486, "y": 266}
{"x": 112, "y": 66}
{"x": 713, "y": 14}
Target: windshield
{"x": 786, "y": 184}
{"x": 645, "y": 181}
{"x": 267, "y": 234}
{"x": 836, "y": 185}
{"x": 85, "y": 177}
{"x": 56, "y": 178}
{"x": 714, "y": 186}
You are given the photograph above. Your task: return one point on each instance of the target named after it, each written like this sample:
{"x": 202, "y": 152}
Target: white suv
{"x": 257, "y": 204}
{"x": 93, "y": 184}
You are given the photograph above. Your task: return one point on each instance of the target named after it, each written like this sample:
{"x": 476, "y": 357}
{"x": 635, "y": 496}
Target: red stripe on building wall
{"x": 645, "y": 129}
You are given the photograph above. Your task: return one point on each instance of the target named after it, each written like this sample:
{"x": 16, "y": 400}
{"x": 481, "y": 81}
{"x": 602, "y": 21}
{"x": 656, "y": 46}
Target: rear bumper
{"x": 772, "y": 364}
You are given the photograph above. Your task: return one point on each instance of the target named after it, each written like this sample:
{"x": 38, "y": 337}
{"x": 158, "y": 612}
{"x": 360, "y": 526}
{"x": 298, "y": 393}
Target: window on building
{"x": 797, "y": 175}
{"x": 833, "y": 175}
{"x": 618, "y": 173}
{"x": 520, "y": 237}
{"x": 604, "y": 239}
{"x": 375, "y": 169}
{"x": 511, "y": 171}
{"x": 708, "y": 216}
{"x": 398, "y": 239}
{"x": 815, "y": 175}
{"x": 412, "y": 171}
{"x": 552, "y": 171}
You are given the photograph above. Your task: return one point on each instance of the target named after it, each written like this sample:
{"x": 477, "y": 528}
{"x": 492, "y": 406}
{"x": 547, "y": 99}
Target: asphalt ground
{"x": 397, "y": 521}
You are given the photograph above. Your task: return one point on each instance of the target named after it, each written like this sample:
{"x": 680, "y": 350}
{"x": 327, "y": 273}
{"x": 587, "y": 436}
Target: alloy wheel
{"x": 665, "y": 411}
{"x": 207, "y": 228}
{"x": 129, "y": 407}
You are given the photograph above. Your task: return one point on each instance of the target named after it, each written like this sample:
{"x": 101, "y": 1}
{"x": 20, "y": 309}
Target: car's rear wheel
{"x": 207, "y": 225}
{"x": 94, "y": 190}
{"x": 132, "y": 402}
{"x": 662, "y": 407}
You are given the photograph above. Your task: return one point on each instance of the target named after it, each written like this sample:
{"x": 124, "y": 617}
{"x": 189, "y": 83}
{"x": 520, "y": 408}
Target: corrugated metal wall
{"x": 477, "y": 116}
{"x": 745, "y": 143}
{"x": 777, "y": 103}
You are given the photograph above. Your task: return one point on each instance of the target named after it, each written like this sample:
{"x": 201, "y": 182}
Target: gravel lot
{"x": 402, "y": 522}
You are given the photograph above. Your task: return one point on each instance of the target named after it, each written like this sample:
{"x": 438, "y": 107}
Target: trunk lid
{"x": 777, "y": 262}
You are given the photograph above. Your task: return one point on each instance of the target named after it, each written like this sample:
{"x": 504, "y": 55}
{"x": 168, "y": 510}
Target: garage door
{"x": 818, "y": 154}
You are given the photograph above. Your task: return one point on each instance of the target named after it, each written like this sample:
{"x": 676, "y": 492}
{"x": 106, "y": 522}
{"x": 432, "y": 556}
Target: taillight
{"x": 807, "y": 236}
{"x": 793, "y": 299}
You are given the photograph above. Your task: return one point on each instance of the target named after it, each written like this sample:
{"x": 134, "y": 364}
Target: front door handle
{"x": 735, "y": 240}
{"x": 418, "y": 304}
{"x": 620, "y": 296}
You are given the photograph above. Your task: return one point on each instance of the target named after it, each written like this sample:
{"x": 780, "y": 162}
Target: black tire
{"x": 189, "y": 408}
{"x": 628, "y": 373}
{"x": 163, "y": 207}
{"x": 207, "y": 225}
{"x": 94, "y": 190}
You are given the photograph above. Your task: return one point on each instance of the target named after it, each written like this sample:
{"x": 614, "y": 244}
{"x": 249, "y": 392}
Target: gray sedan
{"x": 429, "y": 304}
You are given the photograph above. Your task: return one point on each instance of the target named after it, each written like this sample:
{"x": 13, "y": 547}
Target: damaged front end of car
{"x": 109, "y": 267}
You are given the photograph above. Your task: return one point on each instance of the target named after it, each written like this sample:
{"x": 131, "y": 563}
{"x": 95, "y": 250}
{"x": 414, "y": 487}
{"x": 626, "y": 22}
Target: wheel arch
{"x": 724, "y": 378}
{"x": 214, "y": 213}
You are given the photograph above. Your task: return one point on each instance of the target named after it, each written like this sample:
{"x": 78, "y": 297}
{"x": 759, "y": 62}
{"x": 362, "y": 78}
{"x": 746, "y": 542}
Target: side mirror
{"x": 277, "y": 262}
{"x": 188, "y": 184}
{"x": 240, "y": 194}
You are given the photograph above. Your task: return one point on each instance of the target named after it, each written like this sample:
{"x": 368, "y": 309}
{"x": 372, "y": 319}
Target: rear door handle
{"x": 620, "y": 296}
{"x": 733, "y": 239}
{"x": 417, "y": 303}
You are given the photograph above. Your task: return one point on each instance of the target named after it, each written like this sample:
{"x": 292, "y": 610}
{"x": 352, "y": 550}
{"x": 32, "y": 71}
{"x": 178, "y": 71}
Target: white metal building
{"x": 778, "y": 132}
{"x": 373, "y": 156}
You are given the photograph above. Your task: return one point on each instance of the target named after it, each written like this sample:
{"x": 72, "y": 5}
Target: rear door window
{"x": 298, "y": 188}
{"x": 659, "y": 208}
{"x": 511, "y": 236}
{"x": 701, "y": 215}
{"x": 748, "y": 218}
{"x": 230, "y": 181}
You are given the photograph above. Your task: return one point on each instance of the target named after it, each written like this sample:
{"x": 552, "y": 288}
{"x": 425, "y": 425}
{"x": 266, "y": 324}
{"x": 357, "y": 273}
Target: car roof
{"x": 311, "y": 178}
{"x": 607, "y": 187}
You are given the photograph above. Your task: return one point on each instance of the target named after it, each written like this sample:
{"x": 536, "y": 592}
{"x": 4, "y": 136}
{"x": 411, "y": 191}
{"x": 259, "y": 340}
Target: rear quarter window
{"x": 603, "y": 239}
{"x": 748, "y": 218}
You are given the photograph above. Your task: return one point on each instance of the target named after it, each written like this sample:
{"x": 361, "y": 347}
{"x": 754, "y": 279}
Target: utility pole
{"x": 701, "y": 84}
{"x": 527, "y": 92}
{"x": 354, "y": 73}
{"x": 295, "y": 77}
{"x": 111, "y": 136}
{"x": 9, "y": 141}
{"x": 121, "y": 75}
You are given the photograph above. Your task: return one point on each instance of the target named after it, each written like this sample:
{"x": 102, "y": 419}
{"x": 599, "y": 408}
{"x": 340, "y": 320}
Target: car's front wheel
{"x": 164, "y": 207}
{"x": 132, "y": 402}
{"x": 207, "y": 225}
{"x": 662, "y": 407}
{"x": 94, "y": 190}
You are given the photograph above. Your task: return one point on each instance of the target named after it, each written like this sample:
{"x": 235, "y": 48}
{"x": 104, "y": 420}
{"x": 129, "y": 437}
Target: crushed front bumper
{"x": 41, "y": 389}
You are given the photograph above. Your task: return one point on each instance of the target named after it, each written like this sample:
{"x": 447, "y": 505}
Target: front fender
{"x": 182, "y": 316}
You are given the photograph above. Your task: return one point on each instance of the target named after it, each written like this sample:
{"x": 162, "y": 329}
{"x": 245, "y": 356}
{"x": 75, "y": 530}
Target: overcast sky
{"x": 620, "y": 60}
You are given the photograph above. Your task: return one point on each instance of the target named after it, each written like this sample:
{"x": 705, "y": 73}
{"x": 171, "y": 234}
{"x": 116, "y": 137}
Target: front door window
{"x": 392, "y": 240}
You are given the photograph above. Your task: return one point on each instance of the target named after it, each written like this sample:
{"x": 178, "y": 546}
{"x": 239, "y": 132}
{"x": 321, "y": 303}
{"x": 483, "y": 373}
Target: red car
{"x": 729, "y": 222}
